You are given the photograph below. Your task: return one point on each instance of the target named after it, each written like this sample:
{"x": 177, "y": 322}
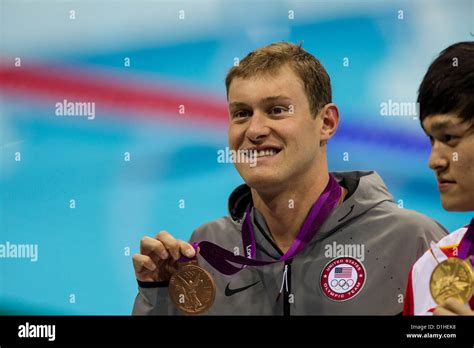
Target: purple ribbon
{"x": 220, "y": 258}
{"x": 466, "y": 248}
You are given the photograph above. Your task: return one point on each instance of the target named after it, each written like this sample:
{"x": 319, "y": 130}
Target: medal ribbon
{"x": 220, "y": 258}
{"x": 466, "y": 248}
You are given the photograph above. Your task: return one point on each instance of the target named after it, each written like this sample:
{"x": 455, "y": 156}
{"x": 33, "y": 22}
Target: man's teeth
{"x": 263, "y": 153}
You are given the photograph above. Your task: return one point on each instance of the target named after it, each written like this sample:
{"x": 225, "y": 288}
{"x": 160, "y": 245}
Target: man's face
{"x": 270, "y": 114}
{"x": 452, "y": 159}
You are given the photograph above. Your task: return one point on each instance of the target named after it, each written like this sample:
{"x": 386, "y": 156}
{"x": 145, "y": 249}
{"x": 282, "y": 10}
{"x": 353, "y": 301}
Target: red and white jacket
{"x": 418, "y": 300}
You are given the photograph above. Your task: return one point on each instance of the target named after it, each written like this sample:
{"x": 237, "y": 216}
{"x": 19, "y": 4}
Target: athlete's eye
{"x": 447, "y": 138}
{"x": 241, "y": 114}
{"x": 277, "y": 110}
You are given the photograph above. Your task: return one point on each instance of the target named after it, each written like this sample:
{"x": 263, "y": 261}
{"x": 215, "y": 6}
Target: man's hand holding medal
{"x": 166, "y": 259}
{"x": 451, "y": 286}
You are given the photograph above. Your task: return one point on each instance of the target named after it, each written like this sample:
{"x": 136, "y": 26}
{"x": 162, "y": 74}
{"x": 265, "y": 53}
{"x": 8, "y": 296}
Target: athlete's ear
{"x": 329, "y": 114}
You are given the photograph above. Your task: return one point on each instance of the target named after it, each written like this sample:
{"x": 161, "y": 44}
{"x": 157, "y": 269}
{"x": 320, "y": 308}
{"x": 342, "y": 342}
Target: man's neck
{"x": 285, "y": 211}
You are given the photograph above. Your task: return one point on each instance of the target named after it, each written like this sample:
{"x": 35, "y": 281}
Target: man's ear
{"x": 330, "y": 120}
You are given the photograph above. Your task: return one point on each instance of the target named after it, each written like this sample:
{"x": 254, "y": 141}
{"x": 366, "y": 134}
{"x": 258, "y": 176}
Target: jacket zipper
{"x": 287, "y": 289}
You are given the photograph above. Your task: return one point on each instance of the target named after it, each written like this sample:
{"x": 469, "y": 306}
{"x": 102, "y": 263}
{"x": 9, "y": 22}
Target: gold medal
{"x": 192, "y": 289}
{"x": 452, "y": 278}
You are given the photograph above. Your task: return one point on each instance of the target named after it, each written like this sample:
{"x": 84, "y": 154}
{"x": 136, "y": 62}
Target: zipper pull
{"x": 284, "y": 282}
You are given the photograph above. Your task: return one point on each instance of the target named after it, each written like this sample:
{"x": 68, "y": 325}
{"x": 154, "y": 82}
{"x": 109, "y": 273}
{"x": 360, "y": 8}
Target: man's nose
{"x": 258, "y": 127}
{"x": 438, "y": 158}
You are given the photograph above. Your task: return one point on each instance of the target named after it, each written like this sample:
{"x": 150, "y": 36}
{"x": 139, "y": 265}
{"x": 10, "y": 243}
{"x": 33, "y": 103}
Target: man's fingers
{"x": 164, "y": 245}
{"x": 452, "y": 305}
{"x": 150, "y": 246}
{"x": 440, "y": 310}
{"x": 170, "y": 243}
{"x": 186, "y": 249}
{"x": 141, "y": 262}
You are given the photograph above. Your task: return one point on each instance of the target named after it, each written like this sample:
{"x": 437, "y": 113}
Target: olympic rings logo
{"x": 343, "y": 284}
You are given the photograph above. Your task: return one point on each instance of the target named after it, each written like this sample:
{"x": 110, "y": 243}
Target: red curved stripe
{"x": 136, "y": 99}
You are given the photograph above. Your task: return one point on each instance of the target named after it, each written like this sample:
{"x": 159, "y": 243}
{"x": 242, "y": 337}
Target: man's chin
{"x": 263, "y": 182}
{"x": 457, "y": 205}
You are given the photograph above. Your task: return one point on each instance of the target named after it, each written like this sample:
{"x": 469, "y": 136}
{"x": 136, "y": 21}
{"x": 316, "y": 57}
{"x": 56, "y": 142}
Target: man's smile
{"x": 262, "y": 151}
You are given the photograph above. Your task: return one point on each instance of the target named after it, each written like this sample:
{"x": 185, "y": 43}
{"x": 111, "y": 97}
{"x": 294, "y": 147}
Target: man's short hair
{"x": 269, "y": 59}
{"x": 448, "y": 86}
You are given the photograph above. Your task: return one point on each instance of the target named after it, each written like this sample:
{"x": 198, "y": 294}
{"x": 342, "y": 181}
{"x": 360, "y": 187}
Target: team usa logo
{"x": 343, "y": 278}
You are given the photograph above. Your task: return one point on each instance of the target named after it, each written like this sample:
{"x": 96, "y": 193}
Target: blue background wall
{"x": 86, "y": 251}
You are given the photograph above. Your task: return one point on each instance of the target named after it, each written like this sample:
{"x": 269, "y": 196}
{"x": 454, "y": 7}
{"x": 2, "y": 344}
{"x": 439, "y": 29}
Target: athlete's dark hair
{"x": 448, "y": 86}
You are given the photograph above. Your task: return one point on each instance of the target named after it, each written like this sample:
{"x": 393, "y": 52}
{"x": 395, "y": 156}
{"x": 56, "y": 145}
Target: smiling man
{"x": 285, "y": 247}
{"x": 446, "y": 99}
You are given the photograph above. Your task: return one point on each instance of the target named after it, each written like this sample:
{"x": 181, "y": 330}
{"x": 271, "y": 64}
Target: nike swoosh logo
{"x": 230, "y": 292}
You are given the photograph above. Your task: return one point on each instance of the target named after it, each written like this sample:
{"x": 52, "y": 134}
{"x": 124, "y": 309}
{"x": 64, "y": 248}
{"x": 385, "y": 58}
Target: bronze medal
{"x": 192, "y": 289}
{"x": 452, "y": 278}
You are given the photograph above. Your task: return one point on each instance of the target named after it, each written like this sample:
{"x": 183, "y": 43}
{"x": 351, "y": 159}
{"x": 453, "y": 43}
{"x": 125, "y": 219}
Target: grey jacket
{"x": 367, "y": 238}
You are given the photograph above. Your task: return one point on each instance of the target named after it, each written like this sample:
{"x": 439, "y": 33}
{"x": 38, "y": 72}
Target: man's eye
{"x": 449, "y": 138}
{"x": 277, "y": 110}
{"x": 241, "y": 113}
